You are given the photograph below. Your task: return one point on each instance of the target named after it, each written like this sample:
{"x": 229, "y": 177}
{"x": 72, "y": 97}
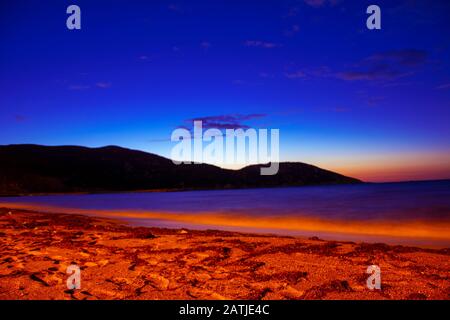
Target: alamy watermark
{"x": 236, "y": 147}
{"x": 373, "y": 22}
{"x": 74, "y": 280}
{"x": 374, "y": 280}
{"x": 73, "y": 21}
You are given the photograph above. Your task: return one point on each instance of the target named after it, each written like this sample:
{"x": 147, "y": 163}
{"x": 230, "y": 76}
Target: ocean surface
{"x": 410, "y": 213}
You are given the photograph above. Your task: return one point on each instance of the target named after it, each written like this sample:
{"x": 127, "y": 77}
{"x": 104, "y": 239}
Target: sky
{"x": 372, "y": 104}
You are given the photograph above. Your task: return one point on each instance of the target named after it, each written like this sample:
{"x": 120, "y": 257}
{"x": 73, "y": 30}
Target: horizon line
{"x": 218, "y": 166}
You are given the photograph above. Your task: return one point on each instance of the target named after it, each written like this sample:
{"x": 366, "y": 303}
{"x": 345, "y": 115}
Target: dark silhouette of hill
{"x": 26, "y": 169}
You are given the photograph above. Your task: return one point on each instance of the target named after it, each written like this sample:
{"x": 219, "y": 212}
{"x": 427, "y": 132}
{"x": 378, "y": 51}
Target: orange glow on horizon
{"x": 435, "y": 230}
{"x": 391, "y": 167}
{"x": 380, "y": 168}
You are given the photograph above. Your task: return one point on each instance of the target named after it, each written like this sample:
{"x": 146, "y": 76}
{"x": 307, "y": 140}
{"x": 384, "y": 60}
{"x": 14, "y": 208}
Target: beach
{"x": 118, "y": 261}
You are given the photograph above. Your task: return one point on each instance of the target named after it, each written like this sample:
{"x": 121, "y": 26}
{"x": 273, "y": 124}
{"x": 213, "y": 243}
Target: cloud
{"x": 227, "y": 121}
{"x": 103, "y": 85}
{"x": 322, "y": 71}
{"x": 239, "y": 82}
{"x": 315, "y": 3}
{"x": 386, "y": 65}
{"x": 292, "y": 12}
{"x": 295, "y": 75}
{"x": 292, "y": 30}
{"x": 261, "y": 44}
{"x": 20, "y": 118}
{"x": 264, "y": 74}
{"x": 336, "y": 109}
{"x": 444, "y": 86}
{"x": 340, "y": 109}
{"x": 205, "y": 44}
{"x": 242, "y": 82}
{"x": 374, "y": 101}
{"x": 175, "y": 7}
{"x": 407, "y": 57}
{"x": 78, "y": 87}
{"x": 380, "y": 72}
{"x": 321, "y": 3}
{"x": 319, "y": 72}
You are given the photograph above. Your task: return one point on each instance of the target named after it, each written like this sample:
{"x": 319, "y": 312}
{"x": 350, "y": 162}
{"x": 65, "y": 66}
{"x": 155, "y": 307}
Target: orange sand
{"x": 121, "y": 262}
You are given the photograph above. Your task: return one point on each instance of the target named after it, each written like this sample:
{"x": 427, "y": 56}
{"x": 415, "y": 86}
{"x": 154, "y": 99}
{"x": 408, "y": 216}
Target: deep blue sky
{"x": 373, "y": 104}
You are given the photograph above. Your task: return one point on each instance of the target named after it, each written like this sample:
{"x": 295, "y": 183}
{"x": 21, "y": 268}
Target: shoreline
{"x": 68, "y": 193}
{"x": 37, "y": 194}
{"x": 427, "y": 234}
{"x": 118, "y": 261}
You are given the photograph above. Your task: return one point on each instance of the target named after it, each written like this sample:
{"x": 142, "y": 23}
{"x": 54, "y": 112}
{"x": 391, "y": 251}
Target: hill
{"x": 26, "y": 169}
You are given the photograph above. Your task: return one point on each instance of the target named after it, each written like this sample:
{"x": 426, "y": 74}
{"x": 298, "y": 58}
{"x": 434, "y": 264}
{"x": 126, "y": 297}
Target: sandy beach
{"x": 123, "y": 262}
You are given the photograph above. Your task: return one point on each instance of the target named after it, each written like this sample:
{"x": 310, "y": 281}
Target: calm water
{"x": 391, "y": 203}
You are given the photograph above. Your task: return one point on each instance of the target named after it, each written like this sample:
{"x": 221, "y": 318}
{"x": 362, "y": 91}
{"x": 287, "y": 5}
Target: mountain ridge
{"x": 31, "y": 169}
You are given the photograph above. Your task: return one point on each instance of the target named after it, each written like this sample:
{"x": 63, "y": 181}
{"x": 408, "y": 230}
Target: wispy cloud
{"x": 319, "y": 72}
{"x": 261, "y": 44}
{"x": 444, "y": 86}
{"x": 295, "y": 75}
{"x": 265, "y": 75}
{"x": 239, "y": 82}
{"x": 175, "y": 7}
{"x": 227, "y": 121}
{"x": 81, "y": 87}
{"x": 374, "y": 73}
{"x": 294, "y": 29}
{"x": 407, "y": 57}
{"x": 321, "y": 3}
{"x": 315, "y": 3}
{"x": 336, "y": 109}
{"x": 386, "y": 65}
{"x": 78, "y": 87}
{"x": 20, "y": 118}
{"x": 250, "y": 83}
{"x": 374, "y": 101}
{"x": 103, "y": 85}
{"x": 205, "y": 44}
{"x": 292, "y": 11}
{"x": 340, "y": 109}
